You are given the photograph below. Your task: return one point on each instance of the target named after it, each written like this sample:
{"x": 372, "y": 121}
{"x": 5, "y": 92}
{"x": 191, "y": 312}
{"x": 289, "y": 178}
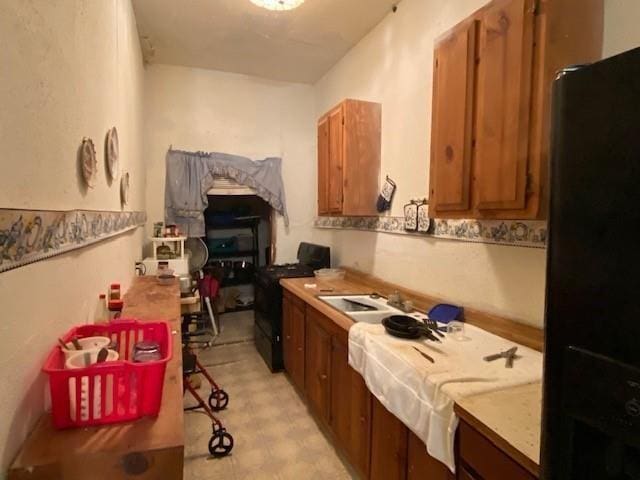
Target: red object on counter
{"x": 109, "y": 392}
{"x": 116, "y": 305}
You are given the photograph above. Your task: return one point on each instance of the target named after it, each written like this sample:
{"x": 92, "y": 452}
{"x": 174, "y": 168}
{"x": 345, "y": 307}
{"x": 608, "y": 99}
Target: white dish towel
{"x": 422, "y": 394}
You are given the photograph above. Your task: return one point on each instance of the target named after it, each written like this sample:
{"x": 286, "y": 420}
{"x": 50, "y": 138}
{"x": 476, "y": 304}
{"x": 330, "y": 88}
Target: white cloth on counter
{"x": 422, "y": 394}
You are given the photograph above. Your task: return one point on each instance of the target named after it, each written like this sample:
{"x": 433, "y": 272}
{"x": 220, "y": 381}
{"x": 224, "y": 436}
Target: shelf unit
{"x": 250, "y": 223}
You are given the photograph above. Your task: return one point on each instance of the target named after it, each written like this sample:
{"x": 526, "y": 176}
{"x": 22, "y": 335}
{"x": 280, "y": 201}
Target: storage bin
{"x": 109, "y": 392}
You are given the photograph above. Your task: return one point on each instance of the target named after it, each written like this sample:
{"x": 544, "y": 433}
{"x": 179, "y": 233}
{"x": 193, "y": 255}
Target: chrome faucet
{"x": 395, "y": 300}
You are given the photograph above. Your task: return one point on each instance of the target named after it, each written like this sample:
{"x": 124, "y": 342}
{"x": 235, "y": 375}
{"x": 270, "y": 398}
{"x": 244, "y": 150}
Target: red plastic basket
{"x": 110, "y": 392}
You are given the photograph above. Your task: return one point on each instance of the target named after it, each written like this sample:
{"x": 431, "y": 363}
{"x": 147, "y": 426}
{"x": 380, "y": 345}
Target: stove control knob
{"x": 633, "y": 408}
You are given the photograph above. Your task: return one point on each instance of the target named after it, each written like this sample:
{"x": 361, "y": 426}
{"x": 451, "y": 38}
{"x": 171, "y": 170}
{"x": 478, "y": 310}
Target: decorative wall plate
{"x": 88, "y": 162}
{"x": 124, "y": 188}
{"x": 112, "y": 153}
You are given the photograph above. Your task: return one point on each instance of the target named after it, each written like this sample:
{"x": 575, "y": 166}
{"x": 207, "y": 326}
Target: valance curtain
{"x": 190, "y": 176}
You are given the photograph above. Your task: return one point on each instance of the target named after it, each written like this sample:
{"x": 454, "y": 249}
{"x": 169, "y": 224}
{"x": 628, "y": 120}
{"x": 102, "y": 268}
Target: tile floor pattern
{"x": 275, "y": 436}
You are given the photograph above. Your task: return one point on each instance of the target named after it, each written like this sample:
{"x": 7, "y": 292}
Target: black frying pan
{"x": 403, "y": 326}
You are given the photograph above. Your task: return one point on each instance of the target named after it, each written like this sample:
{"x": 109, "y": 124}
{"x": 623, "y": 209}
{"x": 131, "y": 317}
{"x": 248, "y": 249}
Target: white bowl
{"x": 77, "y": 358}
{"x": 87, "y": 343}
{"x": 329, "y": 274}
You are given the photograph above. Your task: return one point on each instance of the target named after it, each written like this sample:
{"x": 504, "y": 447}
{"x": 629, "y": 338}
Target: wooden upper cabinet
{"x": 323, "y": 166}
{"x": 493, "y": 75}
{"x": 336, "y": 179}
{"x": 349, "y": 159}
{"x": 504, "y": 104}
{"x": 452, "y": 125}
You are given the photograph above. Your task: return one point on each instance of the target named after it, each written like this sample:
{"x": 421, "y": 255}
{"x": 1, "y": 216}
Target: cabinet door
{"x": 504, "y": 104}
{"x": 293, "y": 341}
{"x": 452, "y": 119}
{"x": 350, "y": 408}
{"x": 317, "y": 364}
{"x": 336, "y": 125}
{"x": 389, "y": 439}
{"x": 287, "y": 336}
{"x": 464, "y": 474}
{"x": 421, "y": 465}
{"x": 323, "y": 166}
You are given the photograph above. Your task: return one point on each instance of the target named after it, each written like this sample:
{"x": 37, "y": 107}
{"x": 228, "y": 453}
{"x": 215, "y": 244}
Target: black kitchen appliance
{"x": 268, "y": 299}
{"x": 591, "y": 414}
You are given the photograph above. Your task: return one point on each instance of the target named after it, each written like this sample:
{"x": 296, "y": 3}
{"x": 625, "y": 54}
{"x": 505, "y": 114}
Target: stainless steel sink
{"x": 361, "y": 308}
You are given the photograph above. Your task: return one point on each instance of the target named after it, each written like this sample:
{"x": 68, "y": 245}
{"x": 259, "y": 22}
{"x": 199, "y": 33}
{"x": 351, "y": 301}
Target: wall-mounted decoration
{"x": 386, "y": 195}
{"x": 424, "y": 222}
{"x": 28, "y": 236}
{"x": 88, "y": 162}
{"x": 124, "y": 189}
{"x": 112, "y": 153}
{"x": 411, "y": 216}
{"x": 522, "y": 233}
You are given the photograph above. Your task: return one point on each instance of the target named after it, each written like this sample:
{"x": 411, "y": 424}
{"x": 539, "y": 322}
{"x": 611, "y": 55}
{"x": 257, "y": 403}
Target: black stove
{"x": 268, "y": 299}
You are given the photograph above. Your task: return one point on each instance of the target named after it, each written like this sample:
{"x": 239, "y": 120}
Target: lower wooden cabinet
{"x": 317, "y": 358}
{"x": 293, "y": 339}
{"x": 375, "y": 442}
{"x": 421, "y": 465}
{"x": 350, "y": 408}
{"x": 479, "y": 456}
{"x": 389, "y": 441}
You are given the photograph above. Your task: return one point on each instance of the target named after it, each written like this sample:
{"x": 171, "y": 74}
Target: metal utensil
{"x": 76, "y": 343}
{"x": 102, "y": 355}
{"x": 424, "y": 355}
{"x": 62, "y": 344}
{"x": 509, "y": 355}
{"x": 433, "y": 325}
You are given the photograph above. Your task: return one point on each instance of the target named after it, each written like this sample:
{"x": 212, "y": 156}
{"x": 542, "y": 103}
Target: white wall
{"x": 621, "y": 31}
{"x": 393, "y": 65}
{"x": 70, "y": 68}
{"x": 194, "y": 109}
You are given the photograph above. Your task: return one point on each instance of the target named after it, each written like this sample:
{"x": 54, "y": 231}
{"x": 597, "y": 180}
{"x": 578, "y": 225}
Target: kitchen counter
{"x": 510, "y": 418}
{"x": 148, "y": 448}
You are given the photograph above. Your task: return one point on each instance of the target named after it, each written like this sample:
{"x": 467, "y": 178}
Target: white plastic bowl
{"x": 87, "y": 343}
{"x": 77, "y": 359}
{"x": 329, "y": 274}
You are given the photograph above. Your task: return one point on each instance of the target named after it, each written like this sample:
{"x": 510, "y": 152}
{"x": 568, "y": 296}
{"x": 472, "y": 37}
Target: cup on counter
{"x": 455, "y": 330}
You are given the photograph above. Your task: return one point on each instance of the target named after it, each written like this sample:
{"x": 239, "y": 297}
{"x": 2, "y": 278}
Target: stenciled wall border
{"x": 521, "y": 233}
{"x": 28, "y": 236}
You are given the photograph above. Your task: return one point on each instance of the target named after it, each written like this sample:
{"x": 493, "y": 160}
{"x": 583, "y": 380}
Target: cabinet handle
{"x": 288, "y": 337}
{"x": 323, "y": 376}
{"x": 362, "y": 419}
{"x": 299, "y": 349}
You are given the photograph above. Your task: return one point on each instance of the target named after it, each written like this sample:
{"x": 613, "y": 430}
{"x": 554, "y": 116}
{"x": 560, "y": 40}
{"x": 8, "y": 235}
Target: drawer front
{"x": 486, "y": 459}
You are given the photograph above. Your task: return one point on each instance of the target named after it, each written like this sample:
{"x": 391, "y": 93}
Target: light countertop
{"x": 511, "y": 418}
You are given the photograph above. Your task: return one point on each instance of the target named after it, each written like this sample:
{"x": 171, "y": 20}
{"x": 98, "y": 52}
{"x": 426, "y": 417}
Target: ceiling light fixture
{"x": 279, "y": 5}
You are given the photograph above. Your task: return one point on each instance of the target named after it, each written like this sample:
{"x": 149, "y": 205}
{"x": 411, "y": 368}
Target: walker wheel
{"x": 221, "y": 444}
{"x": 217, "y": 428}
{"x": 218, "y": 400}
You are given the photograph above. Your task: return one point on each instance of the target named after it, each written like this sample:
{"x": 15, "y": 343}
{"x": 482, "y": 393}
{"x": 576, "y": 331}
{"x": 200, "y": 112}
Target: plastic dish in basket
{"x": 329, "y": 274}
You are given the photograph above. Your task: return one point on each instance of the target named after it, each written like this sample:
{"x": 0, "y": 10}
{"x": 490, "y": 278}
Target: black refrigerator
{"x": 591, "y": 412}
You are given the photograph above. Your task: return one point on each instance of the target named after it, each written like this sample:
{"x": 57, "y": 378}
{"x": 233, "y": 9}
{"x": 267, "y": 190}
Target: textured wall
{"x": 393, "y": 65}
{"x": 70, "y": 68}
{"x": 195, "y": 109}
